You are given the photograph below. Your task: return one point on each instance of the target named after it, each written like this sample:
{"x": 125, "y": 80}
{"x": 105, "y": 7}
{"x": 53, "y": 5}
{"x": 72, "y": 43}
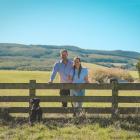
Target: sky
{"x": 88, "y": 24}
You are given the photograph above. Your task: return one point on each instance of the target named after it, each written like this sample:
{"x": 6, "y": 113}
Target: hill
{"x": 42, "y": 57}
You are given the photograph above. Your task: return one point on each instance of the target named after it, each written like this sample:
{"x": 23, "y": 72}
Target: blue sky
{"x": 89, "y": 24}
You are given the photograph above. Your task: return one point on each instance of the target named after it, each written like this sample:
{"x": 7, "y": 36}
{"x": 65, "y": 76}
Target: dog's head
{"x": 34, "y": 103}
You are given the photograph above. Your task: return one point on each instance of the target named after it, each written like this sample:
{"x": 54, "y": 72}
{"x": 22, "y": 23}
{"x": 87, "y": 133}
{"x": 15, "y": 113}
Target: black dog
{"x": 35, "y": 113}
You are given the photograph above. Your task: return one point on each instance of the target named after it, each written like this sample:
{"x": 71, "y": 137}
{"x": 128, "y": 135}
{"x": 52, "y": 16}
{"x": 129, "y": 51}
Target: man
{"x": 63, "y": 67}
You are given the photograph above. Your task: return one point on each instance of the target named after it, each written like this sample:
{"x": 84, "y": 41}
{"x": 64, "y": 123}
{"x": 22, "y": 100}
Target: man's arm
{"x": 70, "y": 76}
{"x": 54, "y": 72}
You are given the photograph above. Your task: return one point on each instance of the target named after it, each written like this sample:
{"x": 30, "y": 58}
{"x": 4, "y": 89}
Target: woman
{"x": 78, "y": 74}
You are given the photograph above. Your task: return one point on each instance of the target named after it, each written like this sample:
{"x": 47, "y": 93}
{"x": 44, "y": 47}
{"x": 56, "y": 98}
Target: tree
{"x": 138, "y": 67}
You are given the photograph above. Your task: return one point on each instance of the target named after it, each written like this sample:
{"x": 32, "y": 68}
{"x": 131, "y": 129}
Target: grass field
{"x": 65, "y": 129}
{"x": 56, "y": 130}
{"x": 134, "y": 74}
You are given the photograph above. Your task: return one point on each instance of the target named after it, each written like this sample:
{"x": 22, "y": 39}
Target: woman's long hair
{"x": 80, "y": 68}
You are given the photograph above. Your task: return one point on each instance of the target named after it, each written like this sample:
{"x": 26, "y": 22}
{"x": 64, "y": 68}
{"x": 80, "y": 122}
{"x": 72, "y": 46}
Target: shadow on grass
{"x": 127, "y": 123}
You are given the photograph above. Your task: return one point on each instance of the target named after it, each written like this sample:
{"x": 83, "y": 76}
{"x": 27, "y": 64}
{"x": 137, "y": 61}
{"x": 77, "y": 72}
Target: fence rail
{"x": 114, "y": 99}
{"x": 121, "y": 99}
{"x": 34, "y": 85}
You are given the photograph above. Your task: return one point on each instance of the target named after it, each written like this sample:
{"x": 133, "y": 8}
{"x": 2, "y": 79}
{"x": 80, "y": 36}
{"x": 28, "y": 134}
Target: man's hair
{"x": 63, "y": 50}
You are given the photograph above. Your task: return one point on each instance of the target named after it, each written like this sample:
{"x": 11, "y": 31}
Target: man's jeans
{"x": 64, "y": 92}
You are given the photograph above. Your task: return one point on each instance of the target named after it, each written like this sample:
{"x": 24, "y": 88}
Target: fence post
{"x": 32, "y": 88}
{"x": 115, "y": 113}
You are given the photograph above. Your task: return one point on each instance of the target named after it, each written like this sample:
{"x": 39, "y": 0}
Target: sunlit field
{"x": 134, "y": 74}
{"x": 65, "y": 128}
{"x": 43, "y": 77}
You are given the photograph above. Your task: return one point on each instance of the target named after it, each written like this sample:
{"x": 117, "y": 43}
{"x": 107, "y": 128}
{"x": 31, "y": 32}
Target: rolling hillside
{"x": 42, "y": 57}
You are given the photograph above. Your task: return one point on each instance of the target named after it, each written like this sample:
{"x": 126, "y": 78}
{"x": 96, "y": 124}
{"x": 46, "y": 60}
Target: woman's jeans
{"x": 77, "y": 105}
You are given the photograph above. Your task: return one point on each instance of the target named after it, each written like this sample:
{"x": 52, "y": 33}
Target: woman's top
{"x": 81, "y": 78}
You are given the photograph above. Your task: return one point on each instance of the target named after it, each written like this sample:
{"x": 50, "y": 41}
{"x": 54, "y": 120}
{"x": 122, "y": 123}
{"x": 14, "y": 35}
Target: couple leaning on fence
{"x": 70, "y": 72}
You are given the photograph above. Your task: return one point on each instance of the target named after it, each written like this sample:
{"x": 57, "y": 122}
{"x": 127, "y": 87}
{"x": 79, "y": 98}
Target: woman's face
{"x": 77, "y": 62}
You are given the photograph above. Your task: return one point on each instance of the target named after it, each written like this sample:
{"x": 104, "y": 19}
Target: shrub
{"x": 138, "y": 67}
{"x": 104, "y": 75}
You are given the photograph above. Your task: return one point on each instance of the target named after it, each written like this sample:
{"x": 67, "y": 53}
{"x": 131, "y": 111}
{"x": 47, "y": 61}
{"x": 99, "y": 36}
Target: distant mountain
{"x": 42, "y": 57}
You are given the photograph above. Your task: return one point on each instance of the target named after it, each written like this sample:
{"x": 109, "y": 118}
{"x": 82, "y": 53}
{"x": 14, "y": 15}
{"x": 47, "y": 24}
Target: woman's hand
{"x": 86, "y": 79}
{"x": 70, "y": 78}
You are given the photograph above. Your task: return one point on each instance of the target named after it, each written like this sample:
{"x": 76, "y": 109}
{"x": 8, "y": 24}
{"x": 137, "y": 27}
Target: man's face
{"x": 64, "y": 55}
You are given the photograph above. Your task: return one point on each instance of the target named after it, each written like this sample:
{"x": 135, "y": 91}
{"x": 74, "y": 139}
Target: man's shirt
{"x": 63, "y": 70}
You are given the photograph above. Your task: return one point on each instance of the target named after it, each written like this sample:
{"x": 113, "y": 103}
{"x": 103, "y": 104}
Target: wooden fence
{"x": 114, "y": 99}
